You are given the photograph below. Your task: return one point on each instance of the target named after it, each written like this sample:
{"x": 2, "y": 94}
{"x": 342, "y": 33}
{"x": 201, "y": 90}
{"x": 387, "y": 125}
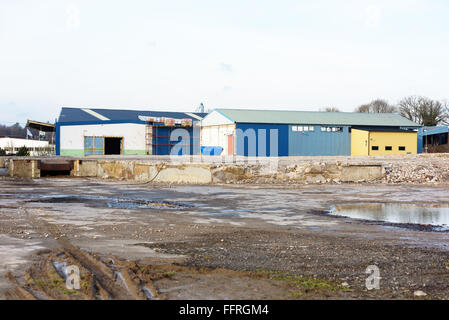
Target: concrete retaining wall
{"x": 304, "y": 173}
{"x": 144, "y": 171}
{"x": 24, "y": 168}
{"x": 207, "y": 173}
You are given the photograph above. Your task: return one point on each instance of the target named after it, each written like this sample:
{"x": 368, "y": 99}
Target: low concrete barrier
{"x": 141, "y": 171}
{"x": 209, "y": 173}
{"x": 24, "y": 168}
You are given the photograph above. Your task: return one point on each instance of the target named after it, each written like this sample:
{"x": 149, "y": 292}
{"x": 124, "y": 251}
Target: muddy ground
{"x": 140, "y": 241}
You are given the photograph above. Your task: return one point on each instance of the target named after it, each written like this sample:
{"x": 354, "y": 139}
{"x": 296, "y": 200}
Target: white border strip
{"x": 193, "y": 115}
{"x": 96, "y": 114}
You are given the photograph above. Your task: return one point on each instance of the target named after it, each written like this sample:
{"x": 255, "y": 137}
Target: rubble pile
{"x": 422, "y": 172}
{"x": 413, "y": 169}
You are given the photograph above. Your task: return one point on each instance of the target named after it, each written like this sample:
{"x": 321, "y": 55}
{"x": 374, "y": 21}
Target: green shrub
{"x": 23, "y": 152}
{"x": 2, "y": 152}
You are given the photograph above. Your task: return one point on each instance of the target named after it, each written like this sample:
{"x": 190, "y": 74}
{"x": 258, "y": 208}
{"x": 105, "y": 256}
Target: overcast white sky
{"x": 172, "y": 55}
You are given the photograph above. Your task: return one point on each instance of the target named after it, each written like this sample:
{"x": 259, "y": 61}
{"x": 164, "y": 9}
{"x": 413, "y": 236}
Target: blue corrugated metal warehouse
{"x": 88, "y": 131}
{"x": 433, "y": 139}
{"x": 292, "y": 133}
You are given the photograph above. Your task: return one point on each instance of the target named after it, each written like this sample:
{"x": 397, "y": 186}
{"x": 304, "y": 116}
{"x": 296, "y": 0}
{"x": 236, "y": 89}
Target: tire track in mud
{"x": 17, "y": 293}
{"x": 44, "y": 280}
{"x": 107, "y": 277}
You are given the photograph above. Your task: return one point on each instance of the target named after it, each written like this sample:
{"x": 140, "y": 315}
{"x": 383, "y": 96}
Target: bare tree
{"x": 377, "y": 106}
{"x": 446, "y": 110}
{"x": 409, "y": 108}
{"x": 331, "y": 109}
{"x": 14, "y": 131}
{"x": 423, "y": 110}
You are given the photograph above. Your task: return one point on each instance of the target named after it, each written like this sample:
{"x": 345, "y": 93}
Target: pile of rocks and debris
{"x": 422, "y": 169}
{"x": 429, "y": 172}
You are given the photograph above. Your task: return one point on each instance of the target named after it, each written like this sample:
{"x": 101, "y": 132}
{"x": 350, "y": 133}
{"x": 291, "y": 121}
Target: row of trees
{"x": 422, "y": 110}
{"x": 17, "y": 131}
{"x": 14, "y": 131}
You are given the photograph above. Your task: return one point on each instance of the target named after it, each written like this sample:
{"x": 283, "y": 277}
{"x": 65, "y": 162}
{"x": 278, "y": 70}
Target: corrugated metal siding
{"x": 261, "y": 131}
{"x": 163, "y": 146}
{"x": 425, "y": 131}
{"x": 420, "y": 140}
{"x": 319, "y": 143}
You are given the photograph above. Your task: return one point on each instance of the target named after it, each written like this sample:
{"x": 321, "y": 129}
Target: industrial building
{"x": 34, "y": 147}
{"x": 433, "y": 139}
{"x": 307, "y": 133}
{"x": 87, "y": 131}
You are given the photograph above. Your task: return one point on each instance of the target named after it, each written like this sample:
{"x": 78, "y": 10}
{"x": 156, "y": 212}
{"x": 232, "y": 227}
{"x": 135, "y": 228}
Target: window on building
{"x": 331, "y": 129}
{"x": 303, "y": 128}
{"x": 401, "y": 148}
{"x": 375, "y": 148}
{"x": 388, "y": 148}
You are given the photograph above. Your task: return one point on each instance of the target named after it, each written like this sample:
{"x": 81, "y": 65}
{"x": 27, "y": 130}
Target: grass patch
{"x": 85, "y": 285}
{"x": 164, "y": 273}
{"x": 304, "y": 285}
{"x": 41, "y": 284}
{"x": 57, "y": 282}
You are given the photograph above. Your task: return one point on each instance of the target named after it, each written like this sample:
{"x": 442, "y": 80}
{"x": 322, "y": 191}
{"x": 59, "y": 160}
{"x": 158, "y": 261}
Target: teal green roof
{"x": 316, "y": 117}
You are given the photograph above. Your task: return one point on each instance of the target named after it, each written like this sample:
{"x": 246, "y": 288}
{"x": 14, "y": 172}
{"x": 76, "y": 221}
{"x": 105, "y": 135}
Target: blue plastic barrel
{"x": 211, "y": 151}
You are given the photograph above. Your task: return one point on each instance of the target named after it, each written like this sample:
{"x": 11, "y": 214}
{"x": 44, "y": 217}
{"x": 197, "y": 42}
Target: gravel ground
{"x": 273, "y": 232}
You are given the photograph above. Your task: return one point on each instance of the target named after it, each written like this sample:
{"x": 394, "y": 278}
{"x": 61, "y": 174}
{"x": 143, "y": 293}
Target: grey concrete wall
{"x": 24, "y": 168}
{"x": 215, "y": 173}
{"x": 144, "y": 171}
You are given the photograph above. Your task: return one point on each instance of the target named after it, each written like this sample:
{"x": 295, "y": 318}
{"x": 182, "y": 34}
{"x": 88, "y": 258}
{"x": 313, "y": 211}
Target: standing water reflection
{"x": 435, "y": 215}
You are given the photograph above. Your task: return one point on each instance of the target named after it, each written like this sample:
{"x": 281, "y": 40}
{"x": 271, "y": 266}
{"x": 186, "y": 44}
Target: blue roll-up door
{"x": 93, "y": 146}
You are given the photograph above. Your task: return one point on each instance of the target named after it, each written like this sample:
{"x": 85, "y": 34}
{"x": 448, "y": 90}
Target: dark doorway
{"x": 55, "y": 167}
{"x": 112, "y": 145}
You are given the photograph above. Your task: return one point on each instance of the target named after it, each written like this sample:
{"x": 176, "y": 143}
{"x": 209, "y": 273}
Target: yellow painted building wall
{"x": 359, "y": 142}
{"x": 362, "y": 142}
{"x": 409, "y": 140}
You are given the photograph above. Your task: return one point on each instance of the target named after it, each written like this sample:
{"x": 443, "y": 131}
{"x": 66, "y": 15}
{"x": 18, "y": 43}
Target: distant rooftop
{"x": 98, "y": 115}
{"x": 317, "y": 117}
{"x": 427, "y": 131}
{"x": 41, "y": 126}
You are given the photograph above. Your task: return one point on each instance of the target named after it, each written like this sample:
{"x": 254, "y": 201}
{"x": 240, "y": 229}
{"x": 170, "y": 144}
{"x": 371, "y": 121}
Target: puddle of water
{"x": 61, "y": 268}
{"x": 147, "y": 292}
{"x": 432, "y": 215}
{"x": 120, "y": 280}
{"x": 15, "y": 252}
